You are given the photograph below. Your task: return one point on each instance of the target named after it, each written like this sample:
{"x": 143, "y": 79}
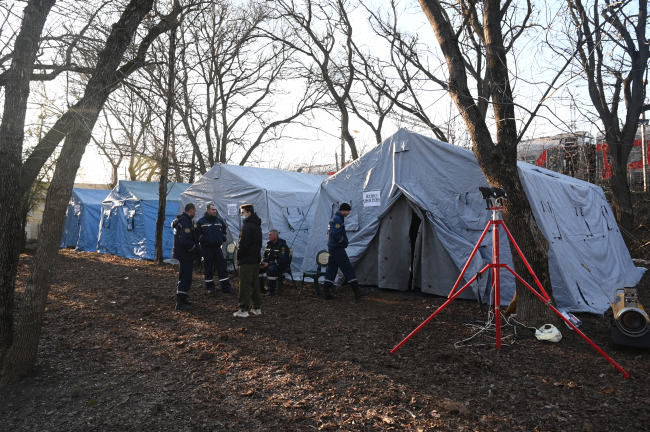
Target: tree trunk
{"x": 345, "y": 131}
{"x": 164, "y": 163}
{"x": 21, "y": 357}
{"x": 12, "y": 131}
{"x": 622, "y": 201}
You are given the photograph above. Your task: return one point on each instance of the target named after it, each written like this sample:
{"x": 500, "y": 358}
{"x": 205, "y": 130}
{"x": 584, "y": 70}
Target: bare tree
{"x": 12, "y": 130}
{"x": 64, "y": 124}
{"x": 230, "y": 84}
{"x": 312, "y": 29}
{"x": 111, "y": 150}
{"x": 496, "y": 153}
{"x": 613, "y": 53}
{"x": 21, "y": 345}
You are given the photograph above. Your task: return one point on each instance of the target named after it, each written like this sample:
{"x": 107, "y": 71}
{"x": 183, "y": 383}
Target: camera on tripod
{"x": 493, "y": 196}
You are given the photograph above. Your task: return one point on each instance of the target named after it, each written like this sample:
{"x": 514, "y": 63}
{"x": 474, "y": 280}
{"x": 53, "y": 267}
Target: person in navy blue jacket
{"x": 186, "y": 250}
{"x": 276, "y": 261}
{"x": 212, "y": 233}
{"x": 337, "y": 241}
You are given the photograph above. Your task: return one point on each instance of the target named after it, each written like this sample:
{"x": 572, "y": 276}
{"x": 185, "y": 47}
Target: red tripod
{"x": 496, "y": 267}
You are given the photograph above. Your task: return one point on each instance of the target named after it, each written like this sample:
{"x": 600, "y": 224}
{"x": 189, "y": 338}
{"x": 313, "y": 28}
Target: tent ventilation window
{"x": 130, "y": 221}
{"x": 295, "y": 217}
{"x": 107, "y": 219}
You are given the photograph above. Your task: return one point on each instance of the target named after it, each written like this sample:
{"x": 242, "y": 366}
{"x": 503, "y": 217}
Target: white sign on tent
{"x": 372, "y": 199}
{"x": 232, "y": 209}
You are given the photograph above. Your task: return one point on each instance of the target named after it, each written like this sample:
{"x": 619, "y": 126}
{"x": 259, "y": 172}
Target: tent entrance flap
{"x": 414, "y": 234}
{"x": 387, "y": 261}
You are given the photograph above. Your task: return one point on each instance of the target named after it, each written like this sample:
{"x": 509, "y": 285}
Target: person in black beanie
{"x": 337, "y": 241}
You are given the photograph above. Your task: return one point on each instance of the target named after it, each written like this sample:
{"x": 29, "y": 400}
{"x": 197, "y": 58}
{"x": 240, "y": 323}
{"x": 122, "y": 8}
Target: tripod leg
{"x": 469, "y": 260}
{"x": 523, "y": 258}
{"x": 570, "y": 324}
{"x": 496, "y": 272}
{"x": 444, "y": 305}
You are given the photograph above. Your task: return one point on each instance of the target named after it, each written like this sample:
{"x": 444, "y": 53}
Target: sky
{"x": 319, "y": 147}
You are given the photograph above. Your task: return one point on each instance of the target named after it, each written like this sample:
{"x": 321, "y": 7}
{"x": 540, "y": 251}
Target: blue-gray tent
{"x": 82, "y": 219}
{"x": 282, "y": 199}
{"x": 128, "y": 220}
{"x": 417, "y": 214}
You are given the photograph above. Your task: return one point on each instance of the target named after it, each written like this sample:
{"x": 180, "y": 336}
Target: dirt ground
{"x": 115, "y": 355}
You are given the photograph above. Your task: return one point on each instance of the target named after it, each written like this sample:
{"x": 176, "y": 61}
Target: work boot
{"x": 358, "y": 292}
{"x": 183, "y": 304}
{"x": 228, "y": 291}
{"x": 327, "y": 293}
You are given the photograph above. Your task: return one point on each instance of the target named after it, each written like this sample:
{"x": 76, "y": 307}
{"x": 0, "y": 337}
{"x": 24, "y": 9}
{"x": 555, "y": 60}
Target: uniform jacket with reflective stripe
{"x": 336, "y": 235}
{"x": 212, "y": 231}
{"x": 186, "y": 240}
{"x": 277, "y": 254}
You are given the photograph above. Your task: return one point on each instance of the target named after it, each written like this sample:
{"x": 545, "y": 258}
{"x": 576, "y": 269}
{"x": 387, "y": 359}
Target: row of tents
{"x": 416, "y": 215}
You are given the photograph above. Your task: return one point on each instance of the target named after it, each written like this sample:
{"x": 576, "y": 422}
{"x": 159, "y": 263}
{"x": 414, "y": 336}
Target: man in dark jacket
{"x": 248, "y": 258}
{"x": 186, "y": 250}
{"x": 337, "y": 241}
{"x": 277, "y": 258}
{"x": 212, "y": 233}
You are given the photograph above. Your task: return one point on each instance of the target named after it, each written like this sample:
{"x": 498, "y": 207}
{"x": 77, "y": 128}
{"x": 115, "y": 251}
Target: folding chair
{"x": 231, "y": 249}
{"x": 322, "y": 257}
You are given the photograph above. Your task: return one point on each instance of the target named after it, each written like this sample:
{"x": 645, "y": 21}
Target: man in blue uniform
{"x": 212, "y": 233}
{"x": 186, "y": 250}
{"x": 337, "y": 241}
{"x": 277, "y": 258}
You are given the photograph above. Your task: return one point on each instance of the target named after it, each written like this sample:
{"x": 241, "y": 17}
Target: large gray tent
{"x": 282, "y": 199}
{"x": 417, "y": 214}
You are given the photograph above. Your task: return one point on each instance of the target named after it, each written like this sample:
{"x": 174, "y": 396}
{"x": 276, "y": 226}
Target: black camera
{"x": 494, "y": 192}
{"x": 491, "y": 194}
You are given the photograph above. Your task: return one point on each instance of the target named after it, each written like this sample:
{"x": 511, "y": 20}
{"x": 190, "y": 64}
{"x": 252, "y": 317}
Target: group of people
{"x": 205, "y": 238}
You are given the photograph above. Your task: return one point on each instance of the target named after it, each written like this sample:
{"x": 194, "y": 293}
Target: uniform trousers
{"x": 184, "y": 278}
{"x": 339, "y": 260}
{"x": 272, "y": 274}
{"x": 213, "y": 257}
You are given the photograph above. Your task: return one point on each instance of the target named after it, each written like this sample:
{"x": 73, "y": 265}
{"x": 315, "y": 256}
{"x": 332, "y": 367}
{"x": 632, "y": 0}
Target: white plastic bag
{"x": 548, "y": 332}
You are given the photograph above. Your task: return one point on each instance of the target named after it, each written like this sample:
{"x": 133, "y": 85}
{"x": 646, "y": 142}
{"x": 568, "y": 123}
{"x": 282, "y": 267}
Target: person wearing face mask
{"x": 248, "y": 259}
{"x": 186, "y": 250}
{"x": 212, "y": 233}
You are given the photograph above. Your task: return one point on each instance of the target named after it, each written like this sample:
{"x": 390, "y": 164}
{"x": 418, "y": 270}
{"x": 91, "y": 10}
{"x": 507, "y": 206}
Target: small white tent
{"x": 282, "y": 199}
{"x": 417, "y": 214}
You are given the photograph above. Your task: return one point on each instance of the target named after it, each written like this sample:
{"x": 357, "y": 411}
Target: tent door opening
{"x": 387, "y": 261}
{"x": 414, "y": 233}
